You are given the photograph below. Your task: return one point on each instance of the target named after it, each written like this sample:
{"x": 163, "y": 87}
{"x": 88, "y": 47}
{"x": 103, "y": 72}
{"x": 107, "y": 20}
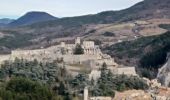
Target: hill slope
{"x": 146, "y": 53}
{"x": 32, "y": 17}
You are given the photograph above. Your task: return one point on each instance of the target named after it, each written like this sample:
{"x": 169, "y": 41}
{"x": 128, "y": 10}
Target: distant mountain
{"x": 32, "y": 17}
{"x": 6, "y": 21}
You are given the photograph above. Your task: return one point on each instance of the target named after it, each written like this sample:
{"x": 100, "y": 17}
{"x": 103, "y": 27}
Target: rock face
{"x": 164, "y": 73}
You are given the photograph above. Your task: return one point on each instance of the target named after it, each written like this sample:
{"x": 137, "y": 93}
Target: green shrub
{"x": 78, "y": 50}
{"x": 25, "y": 89}
{"x": 109, "y": 34}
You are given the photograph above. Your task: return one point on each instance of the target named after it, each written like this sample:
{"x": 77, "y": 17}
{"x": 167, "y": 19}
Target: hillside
{"x": 32, "y": 17}
{"x": 146, "y": 52}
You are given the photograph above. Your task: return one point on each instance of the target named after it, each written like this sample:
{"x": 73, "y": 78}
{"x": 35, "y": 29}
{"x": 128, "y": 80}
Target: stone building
{"x": 92, "y": 53}
{"x": 89, "y": 47}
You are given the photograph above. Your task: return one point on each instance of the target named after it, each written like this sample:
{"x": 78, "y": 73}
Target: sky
{"x": 61, "y": 8}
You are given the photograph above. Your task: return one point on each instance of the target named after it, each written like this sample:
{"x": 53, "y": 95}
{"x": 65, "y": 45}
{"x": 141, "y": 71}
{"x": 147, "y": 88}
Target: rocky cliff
{"x": 164, "y": 73}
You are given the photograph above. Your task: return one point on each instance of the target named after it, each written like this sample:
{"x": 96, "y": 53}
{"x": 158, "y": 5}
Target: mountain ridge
{"x": 146, "y": 9}
{"x": 32, "y": 17}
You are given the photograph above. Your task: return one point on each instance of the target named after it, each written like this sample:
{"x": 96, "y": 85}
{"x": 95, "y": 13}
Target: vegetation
{"x": 25, "y": 89}
{"x": 91, "y": 31}
{"x": 49, "y": 74}
{"x": 43, "y": 72}
{"x": 109, "y": 34}
{"x": 79, "y": 83}
{"x": 108, "y": 83}
{"x": 104, "y": 85}
{"x": 165, "y": 26}
{"x": 97, "y": 42}
{"x": 78, "y": 50}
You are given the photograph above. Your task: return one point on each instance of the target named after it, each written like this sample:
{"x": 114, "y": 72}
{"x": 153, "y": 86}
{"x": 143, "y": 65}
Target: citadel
{"x": 91, "y": 59}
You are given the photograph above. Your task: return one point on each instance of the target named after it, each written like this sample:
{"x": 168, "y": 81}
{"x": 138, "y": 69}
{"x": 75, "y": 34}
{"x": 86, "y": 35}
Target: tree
{"x": 104, "y": 67}
{"x": 103, "y": 75}
{"x": 121, "y": 87}
{"x": 25, "y": 89}
{"x": 61, "y": 89}
{"x": 92, "y": 82}
{"x": 78, "y": 50}
{"x": 104, "y": 85}
{"x": 80, "y": 81}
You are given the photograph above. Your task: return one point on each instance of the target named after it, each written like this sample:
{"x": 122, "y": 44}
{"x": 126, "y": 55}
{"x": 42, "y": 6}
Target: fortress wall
{"x": 90, "y": 63}
{"x": 127, "y": 71}
{"x": 95, "y": 74}
{"x": 109, "y": 62}
{"x": 4, "y": 58}
{"x": 78, "y": 58}
{"x": 29, "y": 53}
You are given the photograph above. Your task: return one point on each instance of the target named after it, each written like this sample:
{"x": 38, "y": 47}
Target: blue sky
{"x": 61, "y": 8}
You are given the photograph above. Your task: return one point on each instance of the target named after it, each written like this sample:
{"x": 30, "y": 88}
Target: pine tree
{"x": 61, "y": 89}
{"x": 104, "y": 84}
{"x": 78, "y": 50}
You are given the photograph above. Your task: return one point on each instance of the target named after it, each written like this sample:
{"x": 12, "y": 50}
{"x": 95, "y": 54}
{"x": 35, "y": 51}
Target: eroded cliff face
{"x": 164, "y": 73}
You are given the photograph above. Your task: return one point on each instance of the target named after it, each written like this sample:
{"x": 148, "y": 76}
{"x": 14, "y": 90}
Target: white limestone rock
{"x": 164, "y": 74}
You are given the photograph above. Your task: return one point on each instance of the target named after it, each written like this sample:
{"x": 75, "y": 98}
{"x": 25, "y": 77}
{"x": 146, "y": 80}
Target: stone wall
{"x": 4, "y": 58}
{"x": 72, "y": 59}
{"x": 126, "y": 71}
{"x": 95, "y": 74}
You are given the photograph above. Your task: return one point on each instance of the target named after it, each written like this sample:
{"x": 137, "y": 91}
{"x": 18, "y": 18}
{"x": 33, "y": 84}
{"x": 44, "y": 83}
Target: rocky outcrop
{"x": 164, "y": 73}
